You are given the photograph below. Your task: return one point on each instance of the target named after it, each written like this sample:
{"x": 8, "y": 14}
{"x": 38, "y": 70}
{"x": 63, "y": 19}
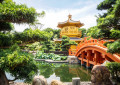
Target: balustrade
{"x": 86, "y": 42}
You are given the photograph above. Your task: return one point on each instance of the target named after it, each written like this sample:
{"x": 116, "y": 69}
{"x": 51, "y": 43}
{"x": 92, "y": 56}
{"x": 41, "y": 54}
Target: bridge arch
{"x": 95, "y": 55}
{"x": 93, "y": 52}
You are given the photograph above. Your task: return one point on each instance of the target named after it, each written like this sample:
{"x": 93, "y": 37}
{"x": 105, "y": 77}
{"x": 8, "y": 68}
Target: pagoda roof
{"x": 70, "y": 22}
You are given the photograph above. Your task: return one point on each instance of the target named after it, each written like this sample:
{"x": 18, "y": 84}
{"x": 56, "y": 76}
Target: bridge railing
{"x": 86, "y": 42}
{"x": 91, "y": 42}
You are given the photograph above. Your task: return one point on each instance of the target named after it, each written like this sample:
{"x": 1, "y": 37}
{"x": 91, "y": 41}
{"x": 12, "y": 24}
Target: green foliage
{"x": 33, "y": 46}
{"x": 30, "y": 35}
{"x": 106, "y": 4}
{"x": 72, "y": 43}
{"x": 57, "y": 47}
{"x": 48, "y": 46}
{"x": 15, "y": 47}
{"x": 110, "y": 19}
{"x": 11, "y": 12}
{"x": 16, "y": 62}
{"x": 83, "y": 30}
{"x": 114, "y": 47}
{"x": 5, "y": 39}
{"x": 6, "y": 26}
{"x": 55, "y": 57}
{"x": 94, "y": 32}
{"x": 109, "y": 42}
{"x": 114, "y": 68}
{"x": 65, "y": 43}
{"x": 54, "y": 32}
{"x": 115, "y": 34}
{"x": 19, "y": 64}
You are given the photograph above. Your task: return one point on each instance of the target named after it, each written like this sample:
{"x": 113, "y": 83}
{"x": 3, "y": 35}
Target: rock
{"x": 56, "y": 82}
{"x": 100, "y": 75}
{"x": 39, "y": 80}
{"x": 72, "y": 59}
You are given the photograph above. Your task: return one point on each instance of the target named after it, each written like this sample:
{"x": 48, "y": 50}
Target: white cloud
{"x": 86, "y": 15}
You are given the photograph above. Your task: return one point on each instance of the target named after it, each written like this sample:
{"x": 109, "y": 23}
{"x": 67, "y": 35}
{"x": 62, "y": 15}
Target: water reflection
{"x": 63, "y": 72}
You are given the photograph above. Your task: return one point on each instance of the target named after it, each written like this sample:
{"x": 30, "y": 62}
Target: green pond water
{"x": 61, "y": 71}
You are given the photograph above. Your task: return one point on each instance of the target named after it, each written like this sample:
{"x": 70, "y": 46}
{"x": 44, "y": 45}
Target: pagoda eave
{"x": 70, "y": 24}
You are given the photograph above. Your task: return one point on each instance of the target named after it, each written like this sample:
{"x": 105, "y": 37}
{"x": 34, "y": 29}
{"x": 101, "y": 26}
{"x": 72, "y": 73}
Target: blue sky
{"x": 58, "y": 10}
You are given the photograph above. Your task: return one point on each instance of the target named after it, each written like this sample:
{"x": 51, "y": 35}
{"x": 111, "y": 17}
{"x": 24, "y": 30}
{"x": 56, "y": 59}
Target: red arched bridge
{"x": 93, "y": 52}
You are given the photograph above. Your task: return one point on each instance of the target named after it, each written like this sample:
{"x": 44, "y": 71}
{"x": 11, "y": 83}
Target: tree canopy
{"x": 15, "y": 62}
{"x": 10, "y": 12}
{"x": 110, "y": 19}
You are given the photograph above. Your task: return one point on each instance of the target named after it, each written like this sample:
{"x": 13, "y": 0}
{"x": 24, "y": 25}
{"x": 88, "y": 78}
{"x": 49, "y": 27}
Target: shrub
{"x": 114, "y": 47}
{"x": 94, "y": 32}
{"x": 109, "y": 42}
{"x": 57, "y": 47}
{"x": 34, "y": 46}
{"x": 114, "y": 68}
{"x": 15, "y": 47}
{"x": 41, "y": 55}
{"x": 17, "y": 62}
{"x": 115, "y": 34}
{"x": 5, "y": 39}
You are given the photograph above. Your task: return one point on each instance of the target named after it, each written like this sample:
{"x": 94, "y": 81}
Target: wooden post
{"x": 76, "y": 81}
{"x": 83, "y": 55}
{"x": 96, "y": 57}
{"x": 69, "y": 51}
{"x": 89, "y": 52}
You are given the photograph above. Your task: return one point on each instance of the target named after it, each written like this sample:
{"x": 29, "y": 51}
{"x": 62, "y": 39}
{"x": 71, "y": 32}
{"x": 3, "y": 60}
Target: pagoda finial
{"x": 69, "y": 17}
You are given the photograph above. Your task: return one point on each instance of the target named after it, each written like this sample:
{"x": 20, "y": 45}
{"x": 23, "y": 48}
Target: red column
{"x": 89, "y": 52}
{"x": 69, "y": 51}
{"x": 96, "y": 56}
{"x": 82, "y": 55}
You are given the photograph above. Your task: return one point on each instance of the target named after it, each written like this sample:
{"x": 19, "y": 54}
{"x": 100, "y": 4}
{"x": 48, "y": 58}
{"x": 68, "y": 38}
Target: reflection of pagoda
{"x": 70, "y": 28}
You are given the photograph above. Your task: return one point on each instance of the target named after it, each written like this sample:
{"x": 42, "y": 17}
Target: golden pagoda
{"x": 70, "y": 28}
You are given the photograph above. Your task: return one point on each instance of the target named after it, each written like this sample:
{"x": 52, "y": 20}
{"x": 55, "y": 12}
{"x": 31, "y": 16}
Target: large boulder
{"x": 39, "y": 80}
{"x": 100, "y": 75}
{"x": 56, "y": 82}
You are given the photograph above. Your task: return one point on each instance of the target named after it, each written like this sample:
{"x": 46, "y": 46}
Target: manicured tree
{"x": 65, "y": 45}
{"x": 110, "y": 19}
{"x": 55, "y": 32}
{"x": 57, "y": 47}
{"x": 48, "y": 46}
{"x": 95, "y": 32}
{"x": 20, "y": 66}
{"x": 65, "y": 42}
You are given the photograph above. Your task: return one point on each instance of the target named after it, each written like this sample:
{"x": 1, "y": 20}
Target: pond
{"x": 62, "y": 71}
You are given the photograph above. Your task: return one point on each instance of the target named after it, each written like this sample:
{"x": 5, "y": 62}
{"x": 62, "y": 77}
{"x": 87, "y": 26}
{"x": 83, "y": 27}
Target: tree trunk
{"x": 3, "y": 78}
